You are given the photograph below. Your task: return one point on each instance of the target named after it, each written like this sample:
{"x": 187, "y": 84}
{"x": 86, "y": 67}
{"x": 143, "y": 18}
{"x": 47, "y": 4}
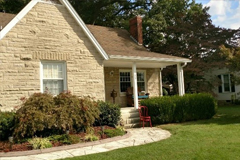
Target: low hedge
{"x": 171, "y": 109}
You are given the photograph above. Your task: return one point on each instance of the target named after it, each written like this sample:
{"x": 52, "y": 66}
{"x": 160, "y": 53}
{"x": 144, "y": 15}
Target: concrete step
{"x": 133, "y": 125}
{"x": 130, "y": 115}
{"x": 131, "y": 120}
{"x": 128, "y": 110}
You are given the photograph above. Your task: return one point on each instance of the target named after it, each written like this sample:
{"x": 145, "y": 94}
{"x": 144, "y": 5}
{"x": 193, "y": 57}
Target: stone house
{"x": 47, "y": 45}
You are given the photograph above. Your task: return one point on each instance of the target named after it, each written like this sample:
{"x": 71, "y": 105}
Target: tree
{"x": 111, "y": 13}
{"x": 232, "y": 60}
{"x": 184, "y": 28}
{"x": 12, "y": 6}
{"x": 175, "y": 27}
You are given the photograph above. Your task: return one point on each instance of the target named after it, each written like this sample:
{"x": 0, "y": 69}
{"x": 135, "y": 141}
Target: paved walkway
{"x": 134, "y": 137}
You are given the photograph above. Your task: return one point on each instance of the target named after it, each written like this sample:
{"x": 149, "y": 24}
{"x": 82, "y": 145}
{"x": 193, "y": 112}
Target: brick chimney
{"x": 135, "y": 25}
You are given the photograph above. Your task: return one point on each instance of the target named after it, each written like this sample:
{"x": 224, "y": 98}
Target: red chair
{"x": 144, "y": 117}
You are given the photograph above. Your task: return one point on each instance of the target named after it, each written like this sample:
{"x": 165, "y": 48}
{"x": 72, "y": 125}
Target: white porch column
{"x": 135, "y": 87}
{"x": 181, "y": 88}
{"x": 160, "y": 84}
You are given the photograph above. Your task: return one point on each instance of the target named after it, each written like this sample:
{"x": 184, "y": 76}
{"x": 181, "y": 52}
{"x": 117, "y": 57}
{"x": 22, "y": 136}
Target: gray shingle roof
{"x": 117, "y": 41}
{"x": 114, "y": 41}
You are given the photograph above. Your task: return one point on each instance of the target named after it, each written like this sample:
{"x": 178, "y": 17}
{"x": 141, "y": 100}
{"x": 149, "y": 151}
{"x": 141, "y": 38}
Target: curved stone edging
{"x": 60, "y": 148}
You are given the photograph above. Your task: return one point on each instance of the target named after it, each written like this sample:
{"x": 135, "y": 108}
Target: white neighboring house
{"x": 226, "y": 91}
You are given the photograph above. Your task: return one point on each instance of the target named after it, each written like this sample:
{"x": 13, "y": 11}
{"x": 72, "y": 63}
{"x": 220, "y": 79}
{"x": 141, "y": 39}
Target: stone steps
{"x": 130, "y": 117}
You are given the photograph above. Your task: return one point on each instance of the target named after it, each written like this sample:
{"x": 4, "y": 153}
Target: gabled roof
{"x": 11, "y": 23}
{"x": 118, "y": 44}
{"x": 112, "y": 43}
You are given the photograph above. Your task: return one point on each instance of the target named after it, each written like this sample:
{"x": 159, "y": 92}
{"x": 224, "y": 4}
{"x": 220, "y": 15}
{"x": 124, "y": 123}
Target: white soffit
{"x": 156, "y": 59}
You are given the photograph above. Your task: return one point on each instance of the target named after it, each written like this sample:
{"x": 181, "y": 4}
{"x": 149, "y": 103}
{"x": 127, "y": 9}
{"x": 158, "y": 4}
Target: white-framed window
{"x": 126, "y": 80}
{"x": 227, "y": 84}
{"x": 53, "y": 77}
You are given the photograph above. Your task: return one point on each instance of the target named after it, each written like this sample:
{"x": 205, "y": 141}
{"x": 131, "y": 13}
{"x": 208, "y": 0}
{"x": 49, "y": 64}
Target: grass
{"x": 217, "y": 138}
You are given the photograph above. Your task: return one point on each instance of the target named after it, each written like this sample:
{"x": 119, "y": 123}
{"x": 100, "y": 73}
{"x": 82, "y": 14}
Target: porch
{"x": 139, "y": 73}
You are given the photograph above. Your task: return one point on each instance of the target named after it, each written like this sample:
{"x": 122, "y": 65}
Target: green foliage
{"x": 12, "y": 6}
{"x": 114, "y": 132}
{"x": 114, "y": 13}
{"x": 6, "y": 124}
{"x": 109, "y": 114}
{"x": 232, "y": 57}
{"x": 184, "y": 28}
{"x": 180, "y": 109}
{"x": 75, "y": 113}
{"x": 91, "y": 137}
{"x": 35, "y": 114}
{"x": 165, "y": 92}
{"x": 40, "y": 143}
{"x": 65, "y": 138}
{"x": 42, "y": 114}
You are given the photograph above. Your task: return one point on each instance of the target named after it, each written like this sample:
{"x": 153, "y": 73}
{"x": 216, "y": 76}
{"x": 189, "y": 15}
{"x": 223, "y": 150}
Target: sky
{"x": 224, "y": 13}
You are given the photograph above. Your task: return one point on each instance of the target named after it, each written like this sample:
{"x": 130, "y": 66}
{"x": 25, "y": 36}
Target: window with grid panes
{"x": 126, "y": 80}
{"x": 53, "y": 77}
{"x": 227, "y": 85}
{"x": 141, "y": 80}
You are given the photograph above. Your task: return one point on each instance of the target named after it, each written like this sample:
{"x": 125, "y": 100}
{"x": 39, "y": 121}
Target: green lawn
{"x": 217, "y": 138}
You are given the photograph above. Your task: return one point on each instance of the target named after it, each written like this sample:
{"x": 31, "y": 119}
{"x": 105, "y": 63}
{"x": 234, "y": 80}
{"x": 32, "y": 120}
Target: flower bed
{"x": 5, "y": 146}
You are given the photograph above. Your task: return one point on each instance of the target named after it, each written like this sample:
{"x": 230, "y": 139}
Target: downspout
{"x": 184, "y": 65}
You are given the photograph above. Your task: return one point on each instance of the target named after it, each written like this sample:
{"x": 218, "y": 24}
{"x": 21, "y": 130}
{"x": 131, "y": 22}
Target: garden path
{"x": 134, "y": 137}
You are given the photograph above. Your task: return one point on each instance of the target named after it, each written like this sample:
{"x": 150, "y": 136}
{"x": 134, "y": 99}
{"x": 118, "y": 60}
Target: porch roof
{"x": 123, "y": 50}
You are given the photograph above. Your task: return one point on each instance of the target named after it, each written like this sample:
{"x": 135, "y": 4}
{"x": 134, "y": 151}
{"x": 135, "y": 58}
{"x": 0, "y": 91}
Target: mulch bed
{"x": 6, "y": 146}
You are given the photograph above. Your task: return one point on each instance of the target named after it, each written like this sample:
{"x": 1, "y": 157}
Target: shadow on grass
{"x": 224, "y": 116}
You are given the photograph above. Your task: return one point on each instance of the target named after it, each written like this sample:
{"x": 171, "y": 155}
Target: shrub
{"x": 43, "y": 115}
{"x": 180, "y": 108}
{"x": 91, "y": 137}
{"x": 6, "y": 124}
{"x": 75, "y": 113}
{"x": 109, "y": 114}
{"x": 35, "y": 114}
{"x": 40, "y": 143}
{"x": 73, "y": 139}
{"x": 65, "y": 138}
{"x": 114, "y": 132}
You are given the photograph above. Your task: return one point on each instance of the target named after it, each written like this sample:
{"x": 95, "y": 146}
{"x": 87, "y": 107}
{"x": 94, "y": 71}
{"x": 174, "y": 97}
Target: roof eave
{"x": 138, "y": 58}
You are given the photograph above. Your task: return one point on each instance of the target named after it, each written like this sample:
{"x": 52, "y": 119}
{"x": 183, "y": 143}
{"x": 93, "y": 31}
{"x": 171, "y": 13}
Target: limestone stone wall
{"x": 48, "y": 32}
{"x": 113, "y": 82}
